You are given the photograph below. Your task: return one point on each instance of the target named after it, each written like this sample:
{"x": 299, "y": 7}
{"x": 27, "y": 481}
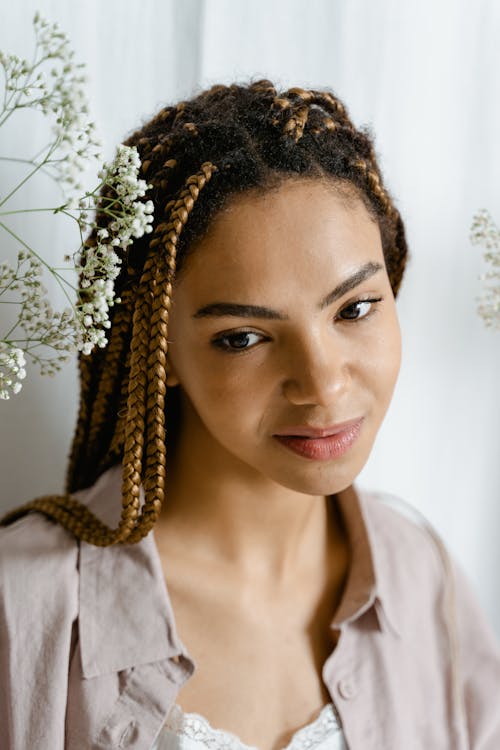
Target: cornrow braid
{"x": 375, "y": 183}
{"x": 300, "y": 102}
{"x": 245, "y": 137}
{"x": 391, "y": 219}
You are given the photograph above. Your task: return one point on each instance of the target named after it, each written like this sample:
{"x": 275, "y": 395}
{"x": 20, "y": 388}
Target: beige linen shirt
{"x": 90, "y": 657}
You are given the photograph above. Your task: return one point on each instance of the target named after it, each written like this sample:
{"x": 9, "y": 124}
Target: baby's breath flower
{"x": 54, "y": 84}
{"x": 485, "y": 233}
{"x": 12, "y": 362}
{"x": 100, "y": 265}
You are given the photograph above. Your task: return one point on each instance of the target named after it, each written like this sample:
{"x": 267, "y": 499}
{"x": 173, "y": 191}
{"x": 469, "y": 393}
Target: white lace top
{"x": 190, "y": 731}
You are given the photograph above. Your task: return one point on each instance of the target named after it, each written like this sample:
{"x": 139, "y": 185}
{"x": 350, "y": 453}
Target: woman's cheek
{"x": 386, "y": 362}
{"x": 217, "y": 388}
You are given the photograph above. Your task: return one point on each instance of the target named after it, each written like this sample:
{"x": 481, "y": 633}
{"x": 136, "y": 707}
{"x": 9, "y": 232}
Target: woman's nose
{"x": 319, "y": 374}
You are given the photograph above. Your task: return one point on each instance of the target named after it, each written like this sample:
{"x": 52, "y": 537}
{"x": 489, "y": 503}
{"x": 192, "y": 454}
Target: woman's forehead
{"x": 301, "y": 232}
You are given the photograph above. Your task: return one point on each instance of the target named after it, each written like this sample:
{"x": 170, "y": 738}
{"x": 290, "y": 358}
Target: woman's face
{"x": 294, "y": 354}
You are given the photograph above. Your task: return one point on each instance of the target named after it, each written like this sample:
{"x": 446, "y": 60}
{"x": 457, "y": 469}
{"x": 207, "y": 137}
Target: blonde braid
{"x": 296, "y": 124}
{"x": 263, "y": 86}
{"x": 392, "y": 218}
{"x": 85, "y": 368}
{"x": 115, "y": 450}
{"x": 166, "y": 237}
{"x": 375, "y": 183}
{"x": 300, "y": 104}
{"x": 93, "y": 409}
{"x": 63, "y": 509}
{"x": 150, "y": 316}
{"x": 113, "y": 356}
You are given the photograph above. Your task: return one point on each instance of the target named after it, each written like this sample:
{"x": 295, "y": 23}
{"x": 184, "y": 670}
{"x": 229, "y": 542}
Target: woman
{"x": 250, "y": 365}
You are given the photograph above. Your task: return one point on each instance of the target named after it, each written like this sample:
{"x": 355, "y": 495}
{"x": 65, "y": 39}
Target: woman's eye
{"x": 234, "y": 342}
{"x": 240, "y": 341}
{"x": 360, "y": 309}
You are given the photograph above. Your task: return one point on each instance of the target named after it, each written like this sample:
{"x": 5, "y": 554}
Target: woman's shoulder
{"x": 38, "y": 558}
{"x": 39, "y": 605}
{"x": 394, "y": 520}
{"x": 36, "y": 554}
{"x": 33, "y": 537}
{"x": 403, "y": 540}
{"x": 39, "y": 592}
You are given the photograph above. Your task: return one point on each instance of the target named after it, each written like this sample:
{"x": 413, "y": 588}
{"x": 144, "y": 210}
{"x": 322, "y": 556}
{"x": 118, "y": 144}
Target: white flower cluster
{"x": 42, "y": 325}
{"x": 12, "y": 370}
{"x": 53, "y": 84}
{"x": 58, "y": 92}
{"x": 100, "y": 265}
{"x": 135, "y": 217}
{"x": 484, "y": 232}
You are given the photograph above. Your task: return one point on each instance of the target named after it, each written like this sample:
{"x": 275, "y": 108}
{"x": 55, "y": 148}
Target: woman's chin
{"x": 324, "y": 481}
{"x": 321, "y": 475}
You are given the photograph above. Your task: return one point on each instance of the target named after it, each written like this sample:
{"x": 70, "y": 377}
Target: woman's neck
{"x": 265, "y": 531}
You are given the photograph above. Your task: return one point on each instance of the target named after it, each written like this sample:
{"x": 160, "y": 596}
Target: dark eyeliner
{"x": 355, "y": 302}
{"x": 217, "y": 342}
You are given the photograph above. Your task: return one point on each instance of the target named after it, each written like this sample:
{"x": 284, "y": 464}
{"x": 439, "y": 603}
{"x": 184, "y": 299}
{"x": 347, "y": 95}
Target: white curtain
{"x": 424, "y": 76}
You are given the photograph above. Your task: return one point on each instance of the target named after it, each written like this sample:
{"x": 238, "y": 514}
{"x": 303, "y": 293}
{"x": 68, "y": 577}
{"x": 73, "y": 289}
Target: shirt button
{"x": 346, "y": 688}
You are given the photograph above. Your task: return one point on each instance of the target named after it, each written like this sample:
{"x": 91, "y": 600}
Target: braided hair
{"x": 196, "y": 155}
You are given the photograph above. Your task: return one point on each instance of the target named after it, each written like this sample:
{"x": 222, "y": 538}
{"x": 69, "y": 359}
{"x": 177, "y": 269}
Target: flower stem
{"x": 60, "y": 279}
{"x": 29, "y": 175}
{"x": 52, "y": 209}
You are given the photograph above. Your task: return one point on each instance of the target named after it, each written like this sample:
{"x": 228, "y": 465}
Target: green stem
{"x": 33, "y": 162}
{"x": 7, "y": 100}
{"x": 29, "y": 73}
{"x": 13, "y": 328}
{"x": 22, "y": 341}
{"x": 28, "y": 176}
{"x": 11, "y": 158}
{"x": 60, "y": 279}
{"x": 6, "y": 289}
{"x": 56, "y": 210}
{"x": 35, "y": 157}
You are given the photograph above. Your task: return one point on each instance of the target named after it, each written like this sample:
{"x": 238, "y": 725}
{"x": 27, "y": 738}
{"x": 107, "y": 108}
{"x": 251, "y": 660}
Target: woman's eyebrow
{"x": 221, "y": 309}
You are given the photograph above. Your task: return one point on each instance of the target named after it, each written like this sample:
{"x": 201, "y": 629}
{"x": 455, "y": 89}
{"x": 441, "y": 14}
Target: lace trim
{"x": 196, "y": 727}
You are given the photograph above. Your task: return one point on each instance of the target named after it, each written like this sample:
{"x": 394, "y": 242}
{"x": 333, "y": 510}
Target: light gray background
{"x": 424, "y": 75}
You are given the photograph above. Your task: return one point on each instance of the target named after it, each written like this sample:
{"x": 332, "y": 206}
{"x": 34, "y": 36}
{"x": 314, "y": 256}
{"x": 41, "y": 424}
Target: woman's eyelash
{"x": 219, "y": 342}
{"x": 371, "y": 300}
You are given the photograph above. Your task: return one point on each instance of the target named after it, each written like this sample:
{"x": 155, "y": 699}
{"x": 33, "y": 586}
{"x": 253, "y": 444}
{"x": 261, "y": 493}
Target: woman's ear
{"x": 172, "y": 379}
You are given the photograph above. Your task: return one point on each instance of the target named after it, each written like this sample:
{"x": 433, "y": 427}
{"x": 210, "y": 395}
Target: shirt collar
{"x": 125, "y": 616}
{"x": 369, "y": 583}
{"x": 121, "y": 626}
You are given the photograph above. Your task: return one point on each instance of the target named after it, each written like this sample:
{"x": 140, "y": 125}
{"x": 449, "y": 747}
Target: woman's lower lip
{"x": 322, "y": 449}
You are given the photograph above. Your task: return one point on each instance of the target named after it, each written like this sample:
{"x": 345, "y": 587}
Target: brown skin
{"x": 255, "y": 555}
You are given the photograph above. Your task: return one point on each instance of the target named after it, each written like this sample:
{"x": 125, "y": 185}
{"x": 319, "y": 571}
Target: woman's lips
{"x": 323, "y": 448}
